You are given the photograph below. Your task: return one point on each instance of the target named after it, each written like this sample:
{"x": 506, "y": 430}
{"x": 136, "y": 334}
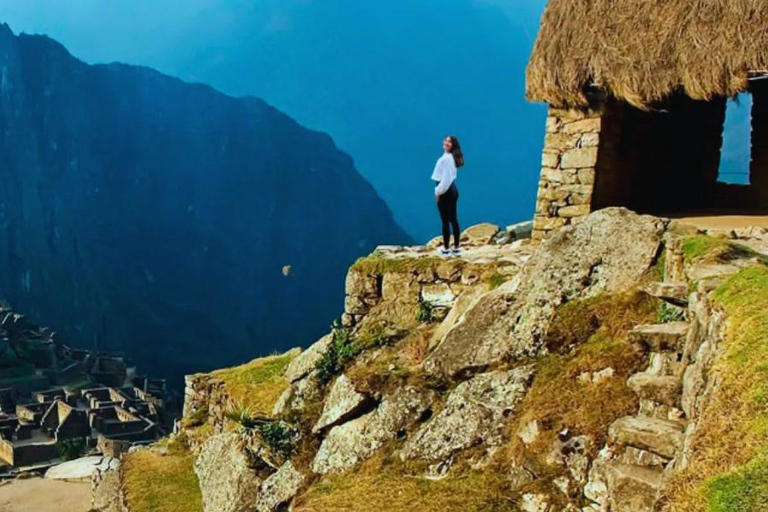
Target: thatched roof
{"x": 641, "y": 51}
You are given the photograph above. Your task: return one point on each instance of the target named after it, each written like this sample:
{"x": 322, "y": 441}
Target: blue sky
{"x": 386, "y": 79}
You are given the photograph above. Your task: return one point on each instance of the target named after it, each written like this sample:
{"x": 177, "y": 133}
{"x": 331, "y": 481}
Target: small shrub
{"x": 341, "y": 350}
{"x": 425, "y": 313}
{"x": 496, "y": 280}
{"x": 196, "y": 418}
{"x": 279, "y": 437}
{"x": 667, "y": 313}
{"x": 70, "y": 449}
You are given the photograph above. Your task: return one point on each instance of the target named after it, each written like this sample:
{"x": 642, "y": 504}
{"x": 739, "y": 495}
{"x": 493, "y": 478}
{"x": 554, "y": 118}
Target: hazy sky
{"x": 386, "y": 79}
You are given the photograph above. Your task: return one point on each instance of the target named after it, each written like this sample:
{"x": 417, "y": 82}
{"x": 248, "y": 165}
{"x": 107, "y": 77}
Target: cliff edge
{"x": 614, "y": 367}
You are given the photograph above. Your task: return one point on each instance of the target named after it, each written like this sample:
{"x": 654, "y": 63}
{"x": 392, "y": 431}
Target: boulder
{"x": 660, "y": 436}
{"x": 609, "y": 251}
{"x": 356, "y": 440}
{"x": 521, "y": 230}
{"x": 362, "y": 285}
{"x": 305, "y": 362}
{"x": 633, "y": 488}
{"x": 297, "y": 395}
{"x": 343, "y": 403}
{"x": 480, "y": 234}
{"x": 227, "y": 482}
{"x": 438, "y": 295}
{"x": 279, "y": 488}
{"x": 473, "y": 415}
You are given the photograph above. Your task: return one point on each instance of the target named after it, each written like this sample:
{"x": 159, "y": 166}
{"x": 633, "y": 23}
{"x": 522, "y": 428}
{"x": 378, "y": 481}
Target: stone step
{"x": 654, "y": 409}
{"x": 665, "y": 363}
{"x": 667, "y": 337}
{"x": 674, "y": 293}
{"x": 662, "y": 437}
{"x": 636, "y": 457}
{"x": 633, "y": 488}
{"x": 663, "y": 389}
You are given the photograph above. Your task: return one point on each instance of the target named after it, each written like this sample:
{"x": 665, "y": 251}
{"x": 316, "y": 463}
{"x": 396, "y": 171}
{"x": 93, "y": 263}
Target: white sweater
{"x": 444, "y": 174}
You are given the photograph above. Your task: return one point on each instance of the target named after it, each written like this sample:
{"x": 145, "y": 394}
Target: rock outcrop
{"x": 473, "y": 414}
{"x": 227, "y": 481}
{"x": 356, "y": 440}
{"x": 607, "y": 252}
{"x": 444, "y": 370}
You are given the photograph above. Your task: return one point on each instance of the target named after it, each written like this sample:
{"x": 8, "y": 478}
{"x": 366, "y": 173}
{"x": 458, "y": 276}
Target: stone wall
{"x": 568, "y": 166}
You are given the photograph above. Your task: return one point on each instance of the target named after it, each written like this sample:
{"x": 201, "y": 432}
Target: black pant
{"x": 446, "y": 205}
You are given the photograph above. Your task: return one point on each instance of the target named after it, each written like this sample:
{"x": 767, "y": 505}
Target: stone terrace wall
{"x": 568, "y": 167}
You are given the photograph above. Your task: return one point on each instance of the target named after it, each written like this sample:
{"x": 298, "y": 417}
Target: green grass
{"x": 258, "y": 384}
{"x": 161, "y": 483}
{"x": 745, "y": 490}
{"x": 376, "y": 264}
{"x": 705, "y": 247}
{"x": 495, "y": 280}
{"x": 730, "y": 469}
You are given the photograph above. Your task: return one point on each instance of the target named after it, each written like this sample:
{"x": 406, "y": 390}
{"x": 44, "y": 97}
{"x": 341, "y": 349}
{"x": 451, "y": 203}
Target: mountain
{"x": 139, "y": 213}
{"x": 388, "y": 79}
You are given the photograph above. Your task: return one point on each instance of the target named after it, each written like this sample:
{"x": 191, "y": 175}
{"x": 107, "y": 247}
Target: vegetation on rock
{"x": 258, "y": 384}
{"x": 729, "y": 472}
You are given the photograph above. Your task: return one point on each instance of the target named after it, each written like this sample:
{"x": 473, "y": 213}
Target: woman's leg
{"x": 455, "y": 220}
{"x": 443, "y": 206}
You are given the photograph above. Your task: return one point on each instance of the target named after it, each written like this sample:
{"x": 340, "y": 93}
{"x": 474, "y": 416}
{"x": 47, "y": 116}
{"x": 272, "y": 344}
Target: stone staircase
{"x": 645, "y": 446}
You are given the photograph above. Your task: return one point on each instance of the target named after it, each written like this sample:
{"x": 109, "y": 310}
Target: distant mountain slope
{"x": 144, "y": 214}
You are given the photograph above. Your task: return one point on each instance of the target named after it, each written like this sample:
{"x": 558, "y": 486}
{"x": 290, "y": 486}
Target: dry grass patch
{"x": 256, "y": 385}
{"x": 393, "y": 489}
{"x": 161, "y": 483}
{"x": 730, "y": 469}
{"x": 587, "y": 336}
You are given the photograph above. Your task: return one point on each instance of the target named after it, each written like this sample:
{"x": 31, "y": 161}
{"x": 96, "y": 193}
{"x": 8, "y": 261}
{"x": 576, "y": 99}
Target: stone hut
{"x": 637, "y": 96}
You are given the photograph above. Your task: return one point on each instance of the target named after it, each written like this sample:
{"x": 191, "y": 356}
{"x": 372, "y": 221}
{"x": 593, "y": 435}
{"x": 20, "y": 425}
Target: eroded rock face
{"x": 473, "y": 415}
{"x": 227, "y": 482}
{"x": 356, "y": 440}
{"x": 342, "y": 403}
{"x": 297, "y": 395}
{"x": 303, "y": 364}
{"x": 279, "y": 488}
{"x": 607, "y": 252}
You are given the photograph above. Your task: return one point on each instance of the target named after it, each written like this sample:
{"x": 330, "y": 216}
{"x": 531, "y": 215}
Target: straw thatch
{"x": 642, "y": 51}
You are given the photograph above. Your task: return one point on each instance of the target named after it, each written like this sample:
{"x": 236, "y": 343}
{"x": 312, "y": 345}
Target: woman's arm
{"x": 447, "y": 176}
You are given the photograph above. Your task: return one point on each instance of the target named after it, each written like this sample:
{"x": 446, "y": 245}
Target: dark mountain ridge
{"x": 142, "y": 214}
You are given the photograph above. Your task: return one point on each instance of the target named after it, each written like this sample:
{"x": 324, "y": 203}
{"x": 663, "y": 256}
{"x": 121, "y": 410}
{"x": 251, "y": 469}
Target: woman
{"x": 446, "y": 193}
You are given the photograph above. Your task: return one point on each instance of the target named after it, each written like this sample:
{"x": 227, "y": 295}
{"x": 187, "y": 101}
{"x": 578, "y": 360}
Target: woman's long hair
{"x": 458, "y": 156}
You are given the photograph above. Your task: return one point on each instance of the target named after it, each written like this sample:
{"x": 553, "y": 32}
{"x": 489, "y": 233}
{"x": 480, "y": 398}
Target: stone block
{"x": 586, "y": 176}
{"x": 361, "y": 284}
{"x": 550, "y": 159}
{"x": 579, "y": 158}
{"x": 589, "y": 140}
{"x": 557, "y": 142}
{"x": 553, "y": 124}
{"x": 574, "y": 211}
{"x": 548, "y": 223}
{"x": 587, "y": 125}
{"x": 551, "y": 175}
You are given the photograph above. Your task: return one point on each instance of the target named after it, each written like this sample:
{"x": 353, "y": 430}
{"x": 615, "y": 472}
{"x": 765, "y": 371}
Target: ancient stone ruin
{"x": 637, "y": 108}
{"x": 52, "y": 394}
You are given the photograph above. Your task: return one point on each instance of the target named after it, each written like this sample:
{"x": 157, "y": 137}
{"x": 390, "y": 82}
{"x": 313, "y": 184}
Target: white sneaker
{"x": 456, "y": 251}
{"x": 444, "y": 252}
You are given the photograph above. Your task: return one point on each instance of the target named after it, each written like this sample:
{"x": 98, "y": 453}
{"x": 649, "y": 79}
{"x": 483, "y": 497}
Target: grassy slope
{"x": 257, "y": 384}
{"x": 161, "y": 483}
{"x": 730, "y": 470}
